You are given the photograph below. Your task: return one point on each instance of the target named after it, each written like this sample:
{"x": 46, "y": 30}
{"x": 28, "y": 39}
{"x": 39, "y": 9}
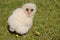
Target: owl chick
{"x": 21, "y": 19}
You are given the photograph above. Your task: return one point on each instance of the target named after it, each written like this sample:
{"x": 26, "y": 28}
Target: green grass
{"x": 46, "y": 20}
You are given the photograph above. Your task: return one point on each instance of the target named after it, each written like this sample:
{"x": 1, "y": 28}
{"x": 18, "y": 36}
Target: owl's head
{"x": 29, "y": 8}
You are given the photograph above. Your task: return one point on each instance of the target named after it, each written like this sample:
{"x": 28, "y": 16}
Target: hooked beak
{"x": 29, "y": 12}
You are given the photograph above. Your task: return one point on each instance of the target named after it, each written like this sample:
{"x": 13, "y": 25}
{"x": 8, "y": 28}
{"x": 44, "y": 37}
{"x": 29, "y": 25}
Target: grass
{"x": 46, "y": 20}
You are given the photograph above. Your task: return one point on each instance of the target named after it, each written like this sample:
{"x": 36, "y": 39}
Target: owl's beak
{"x": 29, "y": 12}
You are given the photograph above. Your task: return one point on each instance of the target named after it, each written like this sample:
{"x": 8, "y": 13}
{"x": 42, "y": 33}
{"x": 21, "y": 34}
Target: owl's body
{"x": 20, "y": 22}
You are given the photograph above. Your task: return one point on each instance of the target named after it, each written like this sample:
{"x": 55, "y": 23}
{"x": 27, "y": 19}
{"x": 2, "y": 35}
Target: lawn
{"x": 46, "y": 20}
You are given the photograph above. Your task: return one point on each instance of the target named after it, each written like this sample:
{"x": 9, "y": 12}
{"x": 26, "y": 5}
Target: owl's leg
{"x": 10, "y": 29}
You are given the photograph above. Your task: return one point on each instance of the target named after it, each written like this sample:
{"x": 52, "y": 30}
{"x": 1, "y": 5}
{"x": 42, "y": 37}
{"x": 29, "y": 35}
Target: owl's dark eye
{"x": 27, "y": 9}
{"x": 31, "y": 9}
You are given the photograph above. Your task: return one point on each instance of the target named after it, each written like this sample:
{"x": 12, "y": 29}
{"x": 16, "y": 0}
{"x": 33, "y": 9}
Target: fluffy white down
{"x": 19, "y": 21}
